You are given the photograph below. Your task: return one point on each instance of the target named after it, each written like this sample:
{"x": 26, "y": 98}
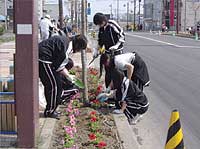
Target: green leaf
{"x": 72, "y": 72}
{"x": 79, "y": 83}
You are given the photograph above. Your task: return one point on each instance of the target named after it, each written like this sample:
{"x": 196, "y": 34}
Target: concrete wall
{"x": 188, "y": 14}
{"x": 2, "y": 7}
{"x": 9, "y": 4}
{"x": 153, "y": 14}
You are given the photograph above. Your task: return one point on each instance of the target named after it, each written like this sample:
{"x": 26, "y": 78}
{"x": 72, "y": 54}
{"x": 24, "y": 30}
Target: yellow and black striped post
{"x": 175, "y": 134}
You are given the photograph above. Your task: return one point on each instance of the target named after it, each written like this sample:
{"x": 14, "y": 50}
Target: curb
{"x": 46, "y": 133}
{"x": 125, "y": 132}
{"x": 188, "y": 37}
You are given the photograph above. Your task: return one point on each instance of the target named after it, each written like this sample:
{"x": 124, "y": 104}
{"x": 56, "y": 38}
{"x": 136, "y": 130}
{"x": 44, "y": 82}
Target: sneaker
{"x": 136, "y": 119}
{"x": 117, "y": 111}
{"x": 52, "y": 115}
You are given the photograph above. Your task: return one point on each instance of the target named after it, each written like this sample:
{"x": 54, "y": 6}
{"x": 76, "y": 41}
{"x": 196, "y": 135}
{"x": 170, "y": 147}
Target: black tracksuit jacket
{"x": 111, "y": 35}
{"x": 53, "y": 50}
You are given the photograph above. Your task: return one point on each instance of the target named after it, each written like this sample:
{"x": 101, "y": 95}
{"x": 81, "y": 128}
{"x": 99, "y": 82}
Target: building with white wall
{"x": 190, "y": 13}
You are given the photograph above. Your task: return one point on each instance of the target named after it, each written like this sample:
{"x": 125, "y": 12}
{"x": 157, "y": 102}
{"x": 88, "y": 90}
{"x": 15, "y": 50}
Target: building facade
{"x": 152, "y": 14}
{"x": 190, "y": 14}
{"x": 158, "y": 12}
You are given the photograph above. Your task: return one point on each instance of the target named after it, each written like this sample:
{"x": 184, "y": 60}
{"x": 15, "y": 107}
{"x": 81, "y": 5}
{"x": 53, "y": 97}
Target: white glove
{"x": 71, "y": 78}
{"x": 95, "y": 53}
{"x": 107, "y": 89}
{"x": 112, "y": 94}
{"x": 113, "y": 48}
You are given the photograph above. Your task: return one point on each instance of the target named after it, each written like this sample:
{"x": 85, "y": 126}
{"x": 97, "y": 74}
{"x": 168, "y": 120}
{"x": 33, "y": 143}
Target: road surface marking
{"x": 171, "y": 44}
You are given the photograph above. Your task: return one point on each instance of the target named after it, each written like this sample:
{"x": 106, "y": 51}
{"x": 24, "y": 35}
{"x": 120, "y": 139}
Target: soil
{"x": 108, "y": 129}
{"x": 107, "y": 125}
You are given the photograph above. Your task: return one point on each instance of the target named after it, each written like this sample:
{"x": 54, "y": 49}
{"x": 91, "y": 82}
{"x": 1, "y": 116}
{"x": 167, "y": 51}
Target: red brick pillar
{"x": 26, "y": 72}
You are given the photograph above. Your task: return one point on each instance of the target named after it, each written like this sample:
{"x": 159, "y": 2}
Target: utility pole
{"x": 61, "y": 13}
{"x": 117, "y": 11}
{"x": 185, "y": 16}
{"x": 86, "y": 10}
{"x": 72, "y": 11}
{"x": 6, "y": 23}
{"x": 111, "y": 15}
{"x": 26, "y": 78}
{"x": 139, "y": 12}
{"x": 134, "y": 13}
{"x": 152, "y": 17}
{"x": 79, "y": 13}
{"x": 83, "y": 52}
{"x": 76, "y": 12}
{"x": 177, "y": 16}
{"x": 127, "y": 15}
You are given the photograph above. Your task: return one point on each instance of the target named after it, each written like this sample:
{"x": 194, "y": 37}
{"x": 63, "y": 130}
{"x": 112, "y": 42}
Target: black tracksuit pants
{"x": 52, "y": 86}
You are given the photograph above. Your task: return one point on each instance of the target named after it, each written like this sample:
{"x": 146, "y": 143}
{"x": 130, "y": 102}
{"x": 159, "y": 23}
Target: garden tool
{"x": 96, "y": 53}
{"x": 93, "y": 60}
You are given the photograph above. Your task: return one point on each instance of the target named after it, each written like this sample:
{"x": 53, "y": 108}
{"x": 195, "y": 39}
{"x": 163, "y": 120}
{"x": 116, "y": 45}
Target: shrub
{"x": 2, "y": 29}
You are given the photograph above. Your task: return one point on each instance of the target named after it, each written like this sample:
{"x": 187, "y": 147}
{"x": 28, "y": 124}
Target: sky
{"x": 104, "y": 7}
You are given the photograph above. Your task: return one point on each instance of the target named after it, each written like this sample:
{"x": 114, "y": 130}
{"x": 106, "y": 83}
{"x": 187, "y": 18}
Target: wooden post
{"x": 26, "y": 73}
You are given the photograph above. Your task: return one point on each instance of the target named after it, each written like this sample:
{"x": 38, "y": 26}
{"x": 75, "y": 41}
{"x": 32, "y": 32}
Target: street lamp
{"x": 127, "y": 19}
{"x": 111, "y": 15}
{"x": 139, "y": 12}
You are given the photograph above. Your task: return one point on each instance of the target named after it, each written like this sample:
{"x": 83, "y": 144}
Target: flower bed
{"x": 86, "y": 127}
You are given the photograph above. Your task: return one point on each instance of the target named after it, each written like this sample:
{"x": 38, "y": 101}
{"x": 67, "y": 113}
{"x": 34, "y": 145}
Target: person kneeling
{"x": 132, "y": 101}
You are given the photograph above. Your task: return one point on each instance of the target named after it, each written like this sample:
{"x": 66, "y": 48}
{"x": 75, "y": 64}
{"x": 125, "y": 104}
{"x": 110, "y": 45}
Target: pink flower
{"x": 72, "y": 117}
{"x": 76, "y": 112}
{"x": 77, "y": 95}
{"x": 68, "y": 130}
{"x": 62, "y": 141}
{"x": 71, "y": 102}
{"x": 74, "y": 129}
{"x": 72, "y": 122}
{"x": 69, "y": 110}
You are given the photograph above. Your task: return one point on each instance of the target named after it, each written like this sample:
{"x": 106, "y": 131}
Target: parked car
{"x": 2, "y": 18}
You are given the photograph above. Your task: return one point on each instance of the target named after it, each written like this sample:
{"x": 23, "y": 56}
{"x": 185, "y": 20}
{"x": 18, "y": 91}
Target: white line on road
{"x": 167, "y": 43}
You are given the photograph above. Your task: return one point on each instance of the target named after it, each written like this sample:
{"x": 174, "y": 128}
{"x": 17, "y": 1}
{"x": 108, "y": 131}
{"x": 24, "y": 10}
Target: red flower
{"x": 99, "y": 88}
{"x": 93, "y": 119}
{"x": 93, "y": 113}
{"x": 93, "y": 71}
{"x": 95, "y": 101}
{"x": 92, "y": 136}
{"x": 101, "y": 144}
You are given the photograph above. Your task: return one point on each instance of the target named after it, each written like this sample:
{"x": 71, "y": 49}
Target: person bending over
{"x": 53, "y": 57}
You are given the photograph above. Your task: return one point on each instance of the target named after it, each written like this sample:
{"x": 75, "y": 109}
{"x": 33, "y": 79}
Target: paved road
{"x": 174, "y": 67}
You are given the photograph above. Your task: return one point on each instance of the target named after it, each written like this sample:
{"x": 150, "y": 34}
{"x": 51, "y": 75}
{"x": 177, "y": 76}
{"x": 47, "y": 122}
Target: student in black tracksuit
{"x": 111, "y": 36}
{"x": 53, "y": 57}
{"x": 131, "y": 63}
{"x": 132, "y": 100}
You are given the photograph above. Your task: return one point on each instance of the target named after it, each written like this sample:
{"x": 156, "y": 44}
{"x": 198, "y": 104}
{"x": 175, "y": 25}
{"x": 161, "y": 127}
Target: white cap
{"x": 47, "y": 16}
